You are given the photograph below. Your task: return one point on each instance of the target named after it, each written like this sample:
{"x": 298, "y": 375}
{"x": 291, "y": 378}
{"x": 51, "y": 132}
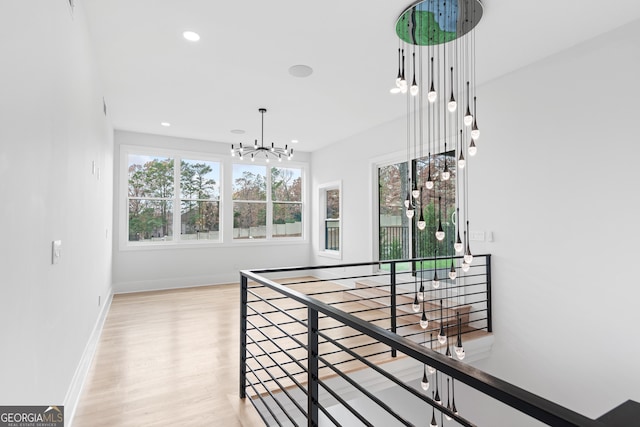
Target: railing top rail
{"x": 535, "y": 406}
{"x": 354, "y": 264}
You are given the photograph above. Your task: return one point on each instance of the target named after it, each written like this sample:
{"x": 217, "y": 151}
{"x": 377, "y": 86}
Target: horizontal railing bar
{"x": 370, "y": 396}
{"x": 293, "y": 319}
{"x": 268, "y": 354}
{"x": 353, "y": 264}
{"x": 267, "y": 406}
{"x": 294, "y": 339}
{"x": 281, "y": 388}
{"x": 344, "y": 403}
{"x": 522, "y": 400}
{"x": 403, "y": 385}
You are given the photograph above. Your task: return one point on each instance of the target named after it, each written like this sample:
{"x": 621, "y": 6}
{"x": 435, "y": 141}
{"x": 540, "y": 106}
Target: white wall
{"x": 140, "y": 269}
{"x": 52, "y": 128}
{"x": 555, "y": 180}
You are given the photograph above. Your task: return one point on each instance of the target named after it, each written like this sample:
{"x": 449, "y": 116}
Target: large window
{"x": 330, "y": 208}
{"x": 170, "y": 204}
{"x": 267, "y": 202}
{"x": 397, "y": 234}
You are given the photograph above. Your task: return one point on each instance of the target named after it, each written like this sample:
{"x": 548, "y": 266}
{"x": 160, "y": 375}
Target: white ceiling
{"x": 206, "y": 89}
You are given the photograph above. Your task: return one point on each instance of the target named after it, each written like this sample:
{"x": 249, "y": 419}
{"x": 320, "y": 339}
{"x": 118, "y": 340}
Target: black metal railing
{"x": 332, "y": 235}
{"x": 394, "y": 242}
{"x": 306, "y": 337}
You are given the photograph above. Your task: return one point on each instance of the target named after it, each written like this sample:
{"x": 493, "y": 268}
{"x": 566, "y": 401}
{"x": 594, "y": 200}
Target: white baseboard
{"x": 174, "y": 283}
{"x": 75, "y": 388}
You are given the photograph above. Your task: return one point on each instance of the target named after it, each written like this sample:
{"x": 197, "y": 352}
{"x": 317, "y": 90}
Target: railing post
{"x": 312, "y": 368}
{"x": 489, "y": 318}
{"x": 394, "y": 320}
{"x": 243, "y": 335}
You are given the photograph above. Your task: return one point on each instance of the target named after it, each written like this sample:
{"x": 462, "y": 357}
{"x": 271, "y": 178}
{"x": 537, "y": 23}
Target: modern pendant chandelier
{"x": 260, "y": 151}
{"x": 437, "y": 75}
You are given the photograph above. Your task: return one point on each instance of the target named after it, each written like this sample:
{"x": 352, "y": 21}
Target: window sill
{"x": 330, "y": 254}
{"x": 209, "y": 244}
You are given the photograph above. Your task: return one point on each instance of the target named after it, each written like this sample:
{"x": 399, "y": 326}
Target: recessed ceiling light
{"x": 191, "y": 36}
{"x": 300, "y": 70}
{"x": 237, "y": 131}
{"x": 294, "y": 141}
{"x": 165, "y": 124}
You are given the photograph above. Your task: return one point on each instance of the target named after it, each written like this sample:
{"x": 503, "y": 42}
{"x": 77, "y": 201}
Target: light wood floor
{"x": 171, "y": 357}
{"x": 168, "y": 358}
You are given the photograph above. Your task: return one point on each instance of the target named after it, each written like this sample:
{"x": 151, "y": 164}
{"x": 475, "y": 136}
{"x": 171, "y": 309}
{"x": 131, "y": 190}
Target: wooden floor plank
{"x": 172, "y": 357}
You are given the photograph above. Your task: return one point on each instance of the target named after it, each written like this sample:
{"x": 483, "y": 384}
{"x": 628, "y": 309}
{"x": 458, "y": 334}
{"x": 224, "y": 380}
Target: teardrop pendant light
{"x": 425, "y": 380}
{"x": 451, "y": 105}
{"x": 468, "y": 117}
{"x": 452, "y": 272}
{"x": 442, "y": 336}
{"x": 430, "y": 368}
{"x": 453, "y": 397}
{"x": 448, "y": 403}
{"x": 434, "y": 423}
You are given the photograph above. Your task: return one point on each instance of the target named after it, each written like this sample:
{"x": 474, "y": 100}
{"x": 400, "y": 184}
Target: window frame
{"x": 269, "y": 202}
{"x": 177, "y": 156}
{"x": 322, "y": 206}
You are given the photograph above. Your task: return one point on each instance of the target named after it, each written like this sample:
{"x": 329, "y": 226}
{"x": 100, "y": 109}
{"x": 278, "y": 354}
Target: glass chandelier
{"x": 260, "y": 151}
{"x": 437, "y": 75}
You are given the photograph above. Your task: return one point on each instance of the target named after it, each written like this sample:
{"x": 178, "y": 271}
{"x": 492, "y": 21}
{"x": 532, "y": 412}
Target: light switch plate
{"x": 477, "y": 236}
{"x": 56, "y": 247}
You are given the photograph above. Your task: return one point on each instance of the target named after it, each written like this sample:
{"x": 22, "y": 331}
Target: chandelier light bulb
{"x": 433, "y": 419}
{"x": 457, "y": 246}
{"x": 461, "y": 161}
{"x": 416, "y": 304}
{"x": 422, "y": 224}
{"x": 410, "y": 212}
{"x": 440, "y": 233}
{"x": 414, "y": 89}
{"x": 279, "y": 158}
{"x": 432, "y": 95}
{"x": 468, "y": 118}
{"x": 475, "y": 132}
{"x": 465, "y": 266}
{"x": 266, "y": 160}
{"x": 472, "y": 148}
{"x": 468, "y": 258}
{"x": 425, "y": 381}
{"x": 452, "y": 273}
{"x": 430, "y": 369}
{"x": 424, "y": 322}
{"x": 421, "y": 293}
{"x": 253, "y": 159}
{"x": 442, "y": 338}
{"x": 452, "y": 104}
{"x": 415, "y": 193}
{"x": 429, "y": 184}
{"x": 446, "y": 175}
{"x": 233, "y": 153}
{"x": 435, "y": 282}
{"x": 460, "y": 353}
